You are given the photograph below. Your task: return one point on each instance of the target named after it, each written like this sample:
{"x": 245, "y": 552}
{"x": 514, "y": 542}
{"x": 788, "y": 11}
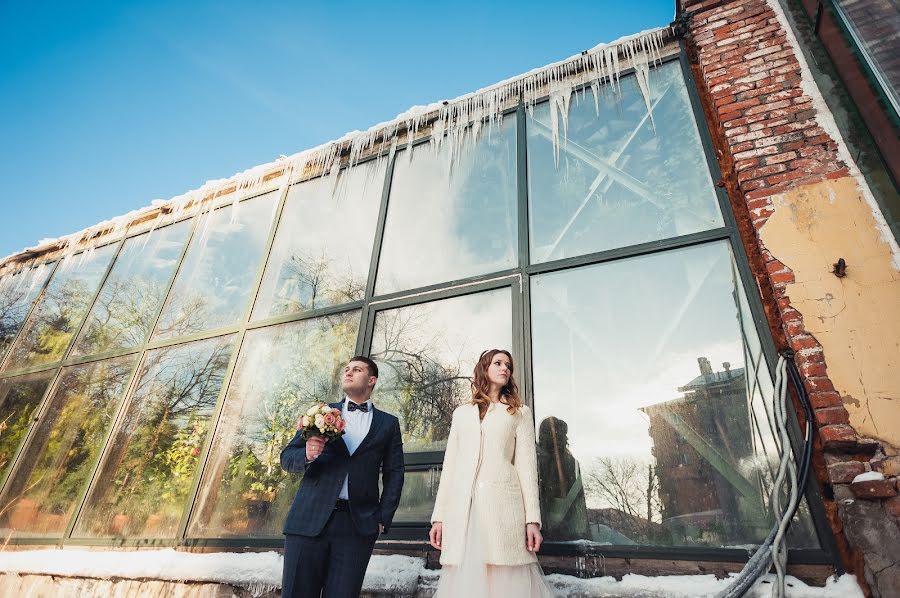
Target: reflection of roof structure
{"x": 712, "y": 379}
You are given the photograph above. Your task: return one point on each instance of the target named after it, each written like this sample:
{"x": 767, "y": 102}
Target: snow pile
{"x": 869, "y": 476}
{"x": 394, "y": 574}
{"x": 450, "y": 121}
{"x": 693, "y": 586}
{"x": 259, "y": 572}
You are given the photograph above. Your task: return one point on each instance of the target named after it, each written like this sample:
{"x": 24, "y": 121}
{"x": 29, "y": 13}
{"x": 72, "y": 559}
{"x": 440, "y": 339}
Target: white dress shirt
{"x": 356, "y": 426}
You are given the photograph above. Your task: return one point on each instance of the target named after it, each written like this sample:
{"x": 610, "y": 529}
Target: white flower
{"x": 312, "y": 410}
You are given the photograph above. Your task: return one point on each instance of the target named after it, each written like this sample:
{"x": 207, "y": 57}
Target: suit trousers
{"x": 330, "y": 565}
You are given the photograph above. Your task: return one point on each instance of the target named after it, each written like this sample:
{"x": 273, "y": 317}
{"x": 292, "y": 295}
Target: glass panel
{"x": 216, "y": 279}
{"x": 61, "y": 309}
{"x": 143, "y": 485}
{"x": 19, "y": 397}
{"x": 417, "y": 499}
{"x": 426, "y": 354}
{"x": 873, "y": 27}
{"x": 323, "y": 246}
{"x": 451, "y": 217}
{"x": 128, "y": 302}
{"x": 17, "y": 293}
{"x": 281, "y": 371}
{"x": 621, "y": 179}
{"x": 644, "y": 401}
{"x": 42, "y": 495}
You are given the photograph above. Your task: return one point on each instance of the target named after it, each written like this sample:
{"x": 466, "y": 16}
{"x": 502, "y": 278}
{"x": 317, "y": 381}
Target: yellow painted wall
{"x": 855, "y": 318}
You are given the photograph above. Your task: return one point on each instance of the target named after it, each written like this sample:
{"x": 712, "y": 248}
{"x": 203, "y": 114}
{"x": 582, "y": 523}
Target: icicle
{"x": 449, "y": 120}
{"x": 560, "y": 96}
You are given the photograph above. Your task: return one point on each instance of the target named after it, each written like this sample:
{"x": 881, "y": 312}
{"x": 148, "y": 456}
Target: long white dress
{"x": 474, "y": 577}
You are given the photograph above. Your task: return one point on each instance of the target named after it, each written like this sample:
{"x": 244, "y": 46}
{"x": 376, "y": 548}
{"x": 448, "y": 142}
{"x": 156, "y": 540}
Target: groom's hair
{"x": 373, "y": 368}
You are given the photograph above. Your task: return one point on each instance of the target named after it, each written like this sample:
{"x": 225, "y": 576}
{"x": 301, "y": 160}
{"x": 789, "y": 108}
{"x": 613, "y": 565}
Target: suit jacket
{"x": 380, "y": 451}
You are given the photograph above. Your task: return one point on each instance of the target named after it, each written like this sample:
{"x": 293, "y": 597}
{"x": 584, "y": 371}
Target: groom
{"x": 337, "y": 514}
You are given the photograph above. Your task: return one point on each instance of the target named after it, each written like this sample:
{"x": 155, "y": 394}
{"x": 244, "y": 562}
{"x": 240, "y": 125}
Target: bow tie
{"x": 364, "y": 407}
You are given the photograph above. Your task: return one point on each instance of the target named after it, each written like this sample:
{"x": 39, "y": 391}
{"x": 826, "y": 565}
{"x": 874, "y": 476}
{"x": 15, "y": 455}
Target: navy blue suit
{"x": 326, "y": 551}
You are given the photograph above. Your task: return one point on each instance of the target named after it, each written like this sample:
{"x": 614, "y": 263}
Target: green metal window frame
{"x": 413, "y": 535}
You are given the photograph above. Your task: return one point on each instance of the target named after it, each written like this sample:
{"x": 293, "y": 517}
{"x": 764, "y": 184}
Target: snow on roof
{"x": 449, "y": 120}
{"x": 395, "y": 574}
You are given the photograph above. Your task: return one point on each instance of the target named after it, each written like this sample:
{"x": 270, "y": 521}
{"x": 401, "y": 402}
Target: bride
{"x": 486, "y": 520}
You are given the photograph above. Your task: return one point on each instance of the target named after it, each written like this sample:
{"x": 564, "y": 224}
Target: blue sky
{"x": 107, "y": 106}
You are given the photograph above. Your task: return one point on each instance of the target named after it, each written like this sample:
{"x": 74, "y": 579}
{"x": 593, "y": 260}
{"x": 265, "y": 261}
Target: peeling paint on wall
{"x": 855, "y": 317}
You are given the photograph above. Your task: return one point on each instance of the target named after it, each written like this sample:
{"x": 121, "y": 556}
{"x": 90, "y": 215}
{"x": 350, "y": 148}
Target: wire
{"x": 773, "y": 549}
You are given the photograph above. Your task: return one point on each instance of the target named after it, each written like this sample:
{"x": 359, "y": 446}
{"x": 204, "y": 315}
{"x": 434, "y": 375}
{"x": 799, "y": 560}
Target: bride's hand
{"x": 434, "y": 536}
{"x": 533, "y": 537}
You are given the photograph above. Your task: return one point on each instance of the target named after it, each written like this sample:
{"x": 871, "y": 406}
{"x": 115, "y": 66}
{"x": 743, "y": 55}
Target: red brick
{"x": 813, "y": 369}
{"x": 760, "y": 172}
{"x": 843, "y": 473}
{"x": 803, "y": 342}
{"x": 810, "y": 356}
{"x": 779, "y": 158}
{"x": 875, "y": 488}
{"x": 824, "y": 400}
{"x": 744, "y": 164}
{"x": 832, "y": 415}
{"x": 818, "y": 383}
{"x": 837, "y": 437}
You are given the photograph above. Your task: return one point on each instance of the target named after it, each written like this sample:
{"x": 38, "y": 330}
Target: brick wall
{"x": 769, "y": 142}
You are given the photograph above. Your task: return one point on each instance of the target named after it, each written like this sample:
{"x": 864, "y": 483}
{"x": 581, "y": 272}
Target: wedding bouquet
{"x": 322, "y": 420}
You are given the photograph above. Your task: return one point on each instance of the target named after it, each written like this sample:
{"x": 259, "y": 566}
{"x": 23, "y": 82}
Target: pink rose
{"x": 340, "y": 425}
{"x": 336, "y": 411}
{"x": 329, "y": 419}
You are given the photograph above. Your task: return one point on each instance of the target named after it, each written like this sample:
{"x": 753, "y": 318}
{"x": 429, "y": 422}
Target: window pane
{"x": 281, "y": 371}
{"x": 17, "y": 293}
{"x": 621, "y": 179}
{"x": 216, "y": 279}
{"x": 642, "y": 389}
{"x": 417, "y": 499}
{"x": 40, "y": 498}
{"x": 61, "y": 309}
{"x": 128, "y": 302}
{"x": 323, "y": 246}
{"x": 146, "y": 476}
{"x": 448, "y": 221}
{"x": 19, "y": 397}
{"x": 426, "y": 354}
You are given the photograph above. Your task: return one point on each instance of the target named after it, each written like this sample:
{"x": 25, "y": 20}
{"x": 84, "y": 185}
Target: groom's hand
{"x": 314, "y": 447}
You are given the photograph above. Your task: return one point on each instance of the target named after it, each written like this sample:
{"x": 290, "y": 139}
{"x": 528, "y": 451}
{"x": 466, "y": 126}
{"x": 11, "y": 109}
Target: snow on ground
{"x": 397, "y": 574}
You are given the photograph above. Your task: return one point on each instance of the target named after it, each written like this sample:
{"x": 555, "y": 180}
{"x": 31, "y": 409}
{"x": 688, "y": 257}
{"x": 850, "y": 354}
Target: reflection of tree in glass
{"x": 307, "y": 281}
{"x": 418, "y": 386}
{"x": 281, "y": 372}
{"x": 122, "y": 315}
{"x": 14, "y": 304}
{"x": 64, "y": 448}
{"x": 630, "y": 489}
{"x": 18, "y": 399}
{"x": 51, "y": 327}
{"x": 156, "y": 452}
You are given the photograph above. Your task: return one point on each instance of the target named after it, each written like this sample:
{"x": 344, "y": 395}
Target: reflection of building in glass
{"x": 699, "y": 440}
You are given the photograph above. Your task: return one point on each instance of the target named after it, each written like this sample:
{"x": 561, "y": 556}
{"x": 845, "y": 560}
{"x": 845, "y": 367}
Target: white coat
{"x": 499, "y": 455}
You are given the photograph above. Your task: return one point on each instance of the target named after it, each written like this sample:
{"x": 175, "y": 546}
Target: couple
{"x": 487, "y": 497}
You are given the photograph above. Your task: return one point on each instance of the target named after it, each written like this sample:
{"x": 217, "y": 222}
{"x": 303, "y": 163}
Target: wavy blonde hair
{"x": 481, "y": 386}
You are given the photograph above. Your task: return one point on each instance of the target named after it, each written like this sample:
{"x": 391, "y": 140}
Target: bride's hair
{"x": 481, "y": 386}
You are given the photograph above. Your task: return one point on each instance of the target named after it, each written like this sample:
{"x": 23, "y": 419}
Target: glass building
{"x": 148, "y": 385}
